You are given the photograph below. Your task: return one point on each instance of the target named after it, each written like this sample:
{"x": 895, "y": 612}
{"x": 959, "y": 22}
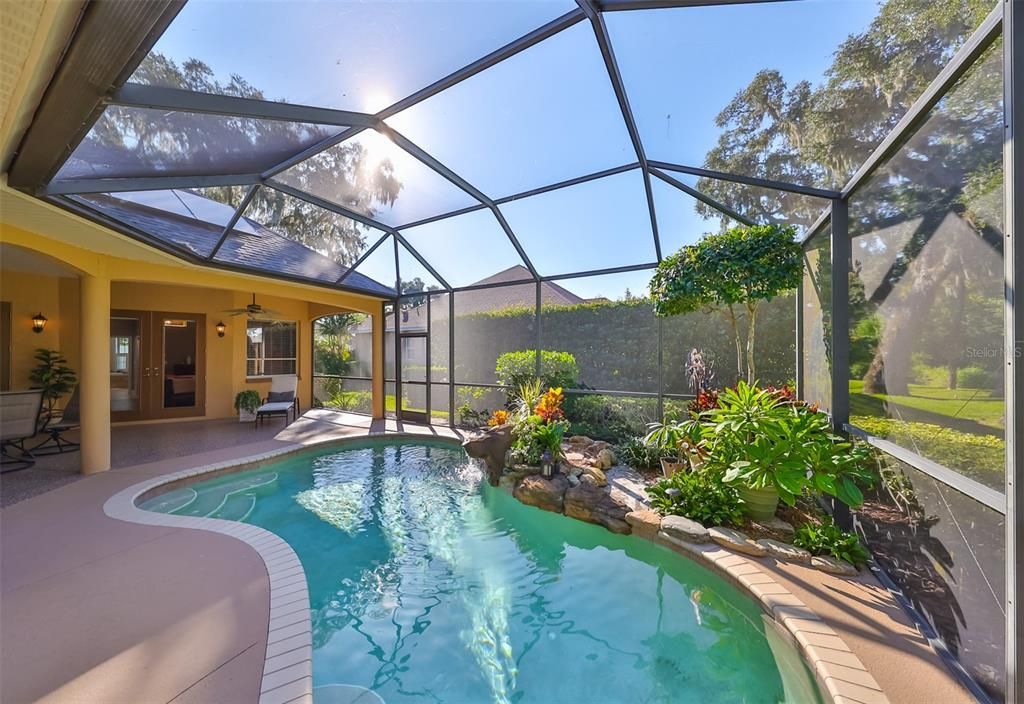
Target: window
{"x": 119, "y": 350}
{"x": 271, "y": 348}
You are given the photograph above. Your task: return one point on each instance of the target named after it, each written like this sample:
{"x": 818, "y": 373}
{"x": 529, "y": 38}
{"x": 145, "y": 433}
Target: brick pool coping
{"x": 287, "y": 669}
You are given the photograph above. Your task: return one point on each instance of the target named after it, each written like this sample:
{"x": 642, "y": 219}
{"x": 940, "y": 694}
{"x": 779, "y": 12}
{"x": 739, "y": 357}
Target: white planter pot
{"x": 245, "y": 416}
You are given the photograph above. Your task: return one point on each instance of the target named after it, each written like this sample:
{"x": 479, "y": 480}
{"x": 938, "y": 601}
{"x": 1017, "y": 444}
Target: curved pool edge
{"x": 287, "y": 672}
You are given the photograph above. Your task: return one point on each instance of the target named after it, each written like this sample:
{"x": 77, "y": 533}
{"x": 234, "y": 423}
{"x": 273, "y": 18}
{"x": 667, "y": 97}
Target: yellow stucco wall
{"x": 144, "y": 286}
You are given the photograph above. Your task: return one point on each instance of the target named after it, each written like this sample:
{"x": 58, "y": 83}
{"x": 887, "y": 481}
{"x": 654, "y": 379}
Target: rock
{"x": 597, "y": 445}
{"x": 511, "y": 477}
{"x": 548, "y": 494}
{"x": 588, "y": 480}
{"x": 778, "y": 526}
{"x": 735, "y": 540}
{"x": 628, "y": 487}
{"x": 597, "y": 475}
{"x": 578, "y": 440}
{"x": 605, "y": 459}
{"x": 490, "y": 445}
{"x": 592, "y": 504}
{"x": 644, "y": 522}
{"x": 685, "y": 529}
{"x": 833, "y": 566}
{"x": 574, "y": 457}
{"x": 573, "y": 480}
{"x": 785, "y": 551}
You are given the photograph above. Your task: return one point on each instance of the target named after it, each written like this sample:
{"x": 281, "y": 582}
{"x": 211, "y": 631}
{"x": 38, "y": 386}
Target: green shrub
{"x": 361, "y": 401}
{"x": 640, "y": 455}
{"x": 558, "y": 370}
{"x": 980, "y": 457}
{"x": 830, "y": 539}
{"x": 611, "y": 418}
{"x": 700, "y": 496}
{"x": 974, "y": 378}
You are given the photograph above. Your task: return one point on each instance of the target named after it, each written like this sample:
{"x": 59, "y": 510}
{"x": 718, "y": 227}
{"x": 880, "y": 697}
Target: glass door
{"x": 157, "y": 365}
{"x": 415, "y": 389}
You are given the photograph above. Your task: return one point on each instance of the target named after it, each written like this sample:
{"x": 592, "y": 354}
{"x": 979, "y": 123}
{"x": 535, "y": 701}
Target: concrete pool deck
{"x": 95, "y": 609}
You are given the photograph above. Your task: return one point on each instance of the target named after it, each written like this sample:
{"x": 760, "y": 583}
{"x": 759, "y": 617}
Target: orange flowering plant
{"x": 549, "y": 407}
{"x": 499, "y": 417}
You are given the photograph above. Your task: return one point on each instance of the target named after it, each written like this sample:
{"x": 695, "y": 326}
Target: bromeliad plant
{"x": 538, "y": 424}
{"x": 760, "y": 439}
{"x": 679, "y": 441}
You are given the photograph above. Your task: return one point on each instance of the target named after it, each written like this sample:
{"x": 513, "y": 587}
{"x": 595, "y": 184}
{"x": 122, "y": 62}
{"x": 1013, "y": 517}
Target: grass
{"x": 391, "y": 406}
{"x": 959, "y": 408}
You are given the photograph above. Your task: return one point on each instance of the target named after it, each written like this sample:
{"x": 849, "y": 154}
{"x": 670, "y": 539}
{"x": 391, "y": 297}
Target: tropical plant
{"x": 698, "y": 495}
{"x": 499, "y": 417}
{"x": 248, "y": 400}
{"x": 738, "y": 268}
{"x": 678, "y": 439}
{"x": 757, "y": 439}
{"x": 638, "y": 454}
{"x": 53, "y": 375}
{"x": 829, "y": 539}
{"x": 549, "y": 406}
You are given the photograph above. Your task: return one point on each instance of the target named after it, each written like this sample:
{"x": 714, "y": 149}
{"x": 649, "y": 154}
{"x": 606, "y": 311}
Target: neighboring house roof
{"x": 484, "y": 300}
{"x": 250, "y": 245}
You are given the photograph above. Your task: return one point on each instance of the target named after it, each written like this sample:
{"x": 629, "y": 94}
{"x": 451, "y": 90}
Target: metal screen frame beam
{"x": 840, "y": 302}
{"x": 1013, "y": 261}
{"x": 608, "y": 54}
{"x": 230, "y": 225}
{"x": 703, "y": 198}
{"x": 364, "y": 256}
{"x": 138, "y": 95}
{"x": 144, "y": 183}
{"x": 748, "y": 180}
{"x": 628, "y": 5}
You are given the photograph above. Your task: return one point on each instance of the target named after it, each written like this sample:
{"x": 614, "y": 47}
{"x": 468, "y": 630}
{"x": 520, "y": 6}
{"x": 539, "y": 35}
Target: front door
{"x": 157, "y": 365}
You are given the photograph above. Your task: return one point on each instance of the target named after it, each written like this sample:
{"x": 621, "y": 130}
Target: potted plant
{"x": 246, "y": 403}
{"x": 680, "y": 441}
{"x": 53, "y": 376}
{"x": 771, "y": 447}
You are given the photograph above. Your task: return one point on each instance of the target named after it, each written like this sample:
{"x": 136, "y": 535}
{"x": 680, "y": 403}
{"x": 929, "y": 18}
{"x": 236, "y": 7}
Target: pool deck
{"x": 95, "y": 609}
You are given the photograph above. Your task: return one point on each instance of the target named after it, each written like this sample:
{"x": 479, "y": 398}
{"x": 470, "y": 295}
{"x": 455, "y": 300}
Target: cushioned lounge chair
{"x": 282, "y": 399}
{"x": 68, "y": 420}
{"x": 19, "y": 419}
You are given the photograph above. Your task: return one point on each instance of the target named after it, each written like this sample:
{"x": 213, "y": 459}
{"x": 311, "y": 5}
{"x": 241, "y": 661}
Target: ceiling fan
{"x": 254, "y": 310}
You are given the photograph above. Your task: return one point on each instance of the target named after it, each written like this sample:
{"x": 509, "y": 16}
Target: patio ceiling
{"x": 567, "y": 138}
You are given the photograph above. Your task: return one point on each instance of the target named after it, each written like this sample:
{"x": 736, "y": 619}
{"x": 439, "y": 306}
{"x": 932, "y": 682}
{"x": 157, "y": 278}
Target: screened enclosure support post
{"x": 426, "y": 374}
{"x": 1013, "y": 258}
{"x": 451, "y": 358}
{"x": 398, "y": 333}
{"x": 840, "y": 267}
{"x": 799, "y": 362}
{"x": 537, "y": 339}
{"x": 377, "y": 364}
{"x": 661, "y": 369}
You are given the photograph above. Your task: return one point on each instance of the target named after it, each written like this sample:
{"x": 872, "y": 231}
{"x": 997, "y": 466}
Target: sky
{"x": 543, "y": 116}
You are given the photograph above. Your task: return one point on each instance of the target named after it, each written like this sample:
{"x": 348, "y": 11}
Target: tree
{"x": 332, "y": 342}
{"x": 739, "y": 267}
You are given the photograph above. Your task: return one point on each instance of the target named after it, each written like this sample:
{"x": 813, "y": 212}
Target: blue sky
{"x": 546, "y": 115}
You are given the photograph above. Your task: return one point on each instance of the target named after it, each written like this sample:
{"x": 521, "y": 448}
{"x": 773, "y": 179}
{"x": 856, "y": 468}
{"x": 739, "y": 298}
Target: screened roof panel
{"x": 350, "y": 55}
{"x": 679, "y": 220}
{"x": 179, "y": 217}
{"x": 467, "y": 249}
{"x": 802, "y": 91}
{"x": 139, "y": 142}
{"x": 335, "y": 236}
{"x": 545, "y": 115}
{"x": 762, "y": 205}
{"x": 414, "y": 276}
{"x": 371, "y": 175}
{"x": 598, "y": 224}
{"x": 379, "y": 266}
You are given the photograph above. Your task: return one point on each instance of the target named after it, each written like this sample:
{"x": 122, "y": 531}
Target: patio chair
{"x": 282, "y": 399}
{"x": 19, "y": 416}
{"x": 56, "y": 443}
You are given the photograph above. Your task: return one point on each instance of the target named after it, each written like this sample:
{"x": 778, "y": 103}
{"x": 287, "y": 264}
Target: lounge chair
{"x": 19, "y": 418}
{"x": 282, "y": 399}
{"x": 68, "y": 420}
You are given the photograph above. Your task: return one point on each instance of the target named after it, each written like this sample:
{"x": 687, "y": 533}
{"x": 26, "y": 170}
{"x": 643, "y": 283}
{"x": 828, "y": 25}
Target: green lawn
{"x": 391, "y": 406}
{"x": 970, "y": 410}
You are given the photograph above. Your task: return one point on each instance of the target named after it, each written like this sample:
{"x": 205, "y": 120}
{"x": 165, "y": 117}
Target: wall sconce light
{"x": 38, "y": 322}
{"x": 221, "y": 327}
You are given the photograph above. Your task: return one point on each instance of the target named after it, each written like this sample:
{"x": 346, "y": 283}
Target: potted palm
{"x": 246, "y": 403}
{"x": 680, "y": 443}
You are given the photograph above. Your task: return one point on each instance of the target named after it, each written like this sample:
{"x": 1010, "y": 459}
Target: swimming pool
{"x": 428, "y": 585}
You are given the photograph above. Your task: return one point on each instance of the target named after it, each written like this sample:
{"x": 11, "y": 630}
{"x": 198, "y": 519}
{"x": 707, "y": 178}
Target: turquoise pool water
{"x": 427, "y": 585}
